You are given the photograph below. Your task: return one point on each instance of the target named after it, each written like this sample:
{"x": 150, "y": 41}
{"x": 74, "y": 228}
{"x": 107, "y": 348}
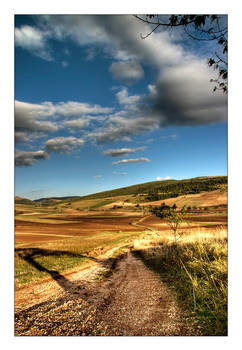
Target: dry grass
{"x": 196, "y": 268}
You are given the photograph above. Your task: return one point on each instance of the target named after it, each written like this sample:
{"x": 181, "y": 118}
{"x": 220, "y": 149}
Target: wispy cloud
{"x": 135, "y": 160}
{"x": 64, "y": 64}
{"x": 119, "y": 173}
{"x": 165, "y": 137}
{"x": 122, "y": 151}
{"x": 158, "y": 178}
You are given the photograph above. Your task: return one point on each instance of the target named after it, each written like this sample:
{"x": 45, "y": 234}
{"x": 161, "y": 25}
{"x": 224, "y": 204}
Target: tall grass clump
{"x": 196, "y": 269}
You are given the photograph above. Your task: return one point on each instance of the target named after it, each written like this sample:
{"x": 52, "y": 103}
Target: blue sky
{"x": 97, "y": 107}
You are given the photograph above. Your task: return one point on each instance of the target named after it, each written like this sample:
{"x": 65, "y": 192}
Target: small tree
{"x": 173, "y": 218}
{"x": 174, "y": 206}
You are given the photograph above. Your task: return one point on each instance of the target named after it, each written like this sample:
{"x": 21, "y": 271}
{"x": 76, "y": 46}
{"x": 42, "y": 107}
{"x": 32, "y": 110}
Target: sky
{"x": 97, "y": 107}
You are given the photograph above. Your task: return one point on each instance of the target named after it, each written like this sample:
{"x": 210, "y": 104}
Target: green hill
{"x": 20, "y": 200}
{"x": 154, "y": 190}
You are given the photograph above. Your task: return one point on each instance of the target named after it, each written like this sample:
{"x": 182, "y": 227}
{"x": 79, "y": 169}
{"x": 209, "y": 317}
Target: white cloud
{"x": 122, "y": 128}
{"x": 122, "y": 151}
{"x": 76, "y": 123}
{"x": 68, "y": 109}
{"x": 128, "y": 72}
{"x": 23, "y": 158}
{"x": 165, "y": 137}
{"x": 64, "y": 64}
{"x": 20, "y": 136}
{"x": 124, "y": 98}
{"x": 45, "y": 117}
{"x": 32, "y": 117}
{"x": 118, "y": 173}
{"x": 63, "y": 144}
{"x": 135, "y": 160}
{"x": 181, "y": 95}
{"x": 33, "y": 40}
{"x": 158, "y": 178}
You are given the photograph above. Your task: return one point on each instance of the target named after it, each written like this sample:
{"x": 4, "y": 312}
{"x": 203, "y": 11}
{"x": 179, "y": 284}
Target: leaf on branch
{"x": 200, "y": 20}
{"x": 211, "y": 62}
{"x": 173, "y": 20}
{"x": 213, "y": 17}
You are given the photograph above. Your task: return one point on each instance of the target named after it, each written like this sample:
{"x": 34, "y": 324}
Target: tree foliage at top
{"x": 201, "y": 28}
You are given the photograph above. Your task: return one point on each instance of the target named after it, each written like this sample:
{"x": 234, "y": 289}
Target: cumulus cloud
{"x": 33, "y": 40}
{"x": 20, "y": 136}
{"x": 44, "y": 117}
{"x": 69, "y": 109}
{"x": 124, "y": 98}
{"x": 135, "y": 160}
{"x": 122, "y": 128}
{"x": 158, "y": 178}
{"x": 128, "y": 72}
{"x": 122, "y": 151}
{"x": 76, "y": 123}
{"x": 23, "y": 158}
{"x": 180, "y": 95}
{"x": 63, "y": 144}
{"x": 32, "y": 117}
{"x": 29, "y": 113}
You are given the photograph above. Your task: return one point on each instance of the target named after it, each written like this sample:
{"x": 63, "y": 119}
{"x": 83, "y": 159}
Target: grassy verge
{"x": 196, "y": 269}
{"x": 41, "y": 260}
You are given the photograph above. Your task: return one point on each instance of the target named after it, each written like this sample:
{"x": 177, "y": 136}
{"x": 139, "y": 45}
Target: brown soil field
{"x": 159, "y": 224}
{"x": 222, "y": 219}
{"x": 84, "y": 225}
{"x": 35, "y": 231}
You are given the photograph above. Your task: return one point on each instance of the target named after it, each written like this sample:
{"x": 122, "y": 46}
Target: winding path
{"x": 132, "y": 301}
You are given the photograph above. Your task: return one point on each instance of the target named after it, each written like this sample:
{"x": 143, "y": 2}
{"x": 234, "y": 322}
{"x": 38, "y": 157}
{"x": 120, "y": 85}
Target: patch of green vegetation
{"x": 25, "y": 201}
{"x": 31, "y": 264}
{"x": 184, "y": 187}
{"x": 41, "y": 260}
{"x": 101, "y": 204}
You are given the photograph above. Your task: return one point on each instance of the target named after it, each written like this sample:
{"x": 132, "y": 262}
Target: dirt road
{"x": 132, "y": 301}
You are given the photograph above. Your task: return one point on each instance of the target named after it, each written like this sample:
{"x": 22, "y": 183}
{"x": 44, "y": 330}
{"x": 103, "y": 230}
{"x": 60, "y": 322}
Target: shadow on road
{"x": 30, "y": 255}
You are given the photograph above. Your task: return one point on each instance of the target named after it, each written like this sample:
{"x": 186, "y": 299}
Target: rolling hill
{"x": 146, "y": 192}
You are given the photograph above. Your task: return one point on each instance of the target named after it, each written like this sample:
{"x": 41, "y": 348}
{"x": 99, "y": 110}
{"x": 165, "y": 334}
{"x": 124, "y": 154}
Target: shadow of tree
{"x": 30, "y": 255}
